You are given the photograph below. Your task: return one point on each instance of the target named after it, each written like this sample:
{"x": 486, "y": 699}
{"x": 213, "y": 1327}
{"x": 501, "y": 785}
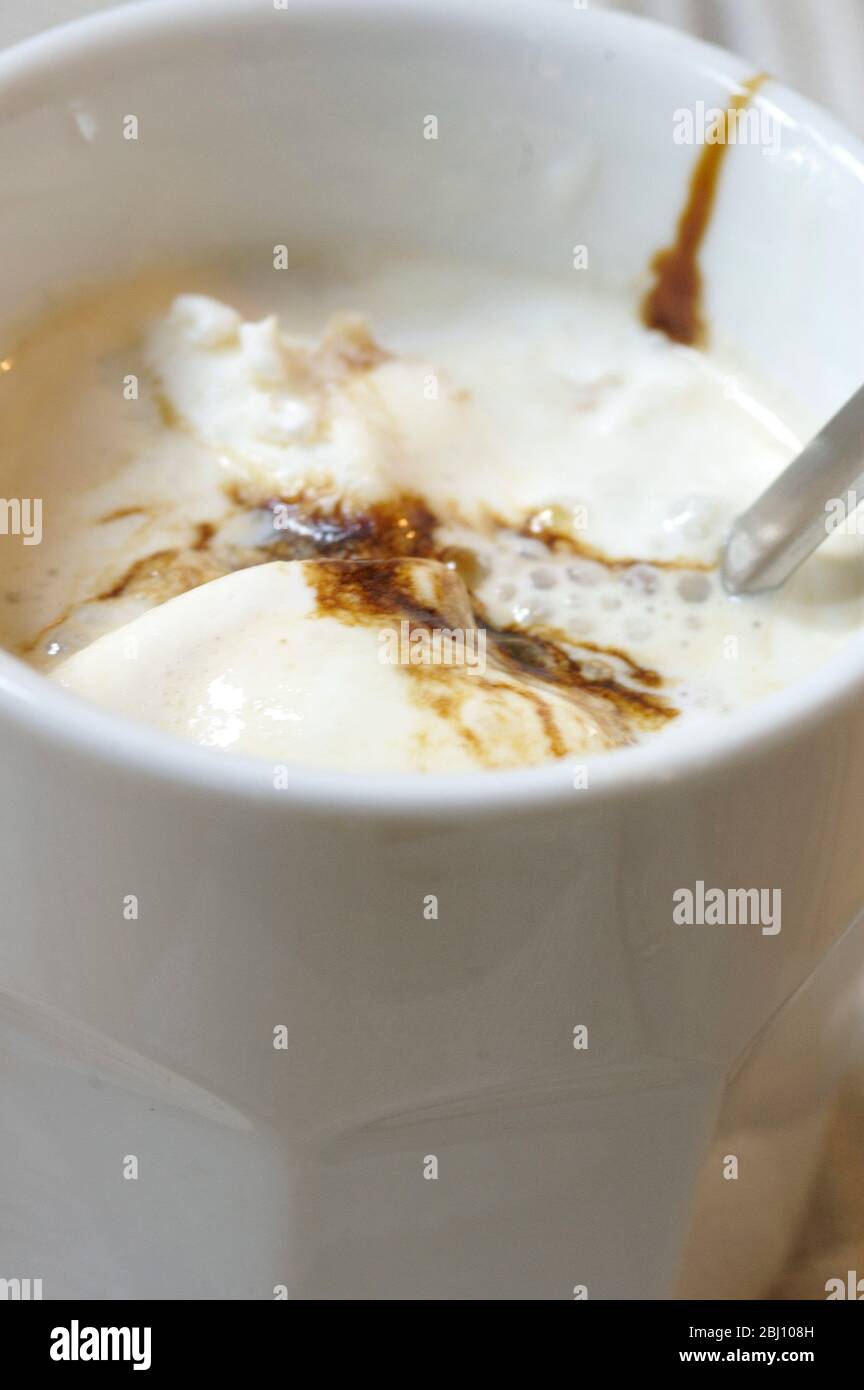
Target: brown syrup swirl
{"x": 120, "y": 514}
{"x": 674, "y": 303}
{"x": 369, "y": 592}
{"x": 548, "y": 656}
{"x": 539, "y": 655}
{"x": 383, "y": 531}
{"x": 404, "y": 528}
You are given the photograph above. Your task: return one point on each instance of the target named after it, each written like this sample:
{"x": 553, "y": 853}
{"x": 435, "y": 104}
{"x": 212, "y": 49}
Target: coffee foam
{"x": 295, "y": 416}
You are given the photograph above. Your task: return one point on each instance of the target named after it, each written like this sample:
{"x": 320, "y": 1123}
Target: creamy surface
{"x": 285, "y": 660}
{"x": 574, "y": 469}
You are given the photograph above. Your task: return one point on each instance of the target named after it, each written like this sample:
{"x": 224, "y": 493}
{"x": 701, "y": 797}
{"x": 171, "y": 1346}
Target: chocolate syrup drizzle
{"x": 674, "y": 303}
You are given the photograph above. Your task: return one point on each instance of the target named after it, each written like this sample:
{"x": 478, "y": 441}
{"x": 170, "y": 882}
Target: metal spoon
{"x": 801, "y": 508}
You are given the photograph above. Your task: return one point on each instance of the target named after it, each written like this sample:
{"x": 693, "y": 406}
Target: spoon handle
{"x": 800, "y": 508}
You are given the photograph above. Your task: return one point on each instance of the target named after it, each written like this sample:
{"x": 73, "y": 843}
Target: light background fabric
{"x": 816, "y": 46}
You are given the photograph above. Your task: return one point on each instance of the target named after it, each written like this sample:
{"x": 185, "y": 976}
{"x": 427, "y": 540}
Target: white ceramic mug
{"x": 308, "y": 1168}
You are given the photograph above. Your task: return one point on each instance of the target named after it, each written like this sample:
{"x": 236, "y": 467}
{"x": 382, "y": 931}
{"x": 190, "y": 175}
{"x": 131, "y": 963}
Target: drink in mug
{"x": 516, "y": 859}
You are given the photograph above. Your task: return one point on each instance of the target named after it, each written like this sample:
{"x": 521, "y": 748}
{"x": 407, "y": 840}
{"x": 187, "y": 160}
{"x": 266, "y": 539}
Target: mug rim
{"x": 31, "y": 704}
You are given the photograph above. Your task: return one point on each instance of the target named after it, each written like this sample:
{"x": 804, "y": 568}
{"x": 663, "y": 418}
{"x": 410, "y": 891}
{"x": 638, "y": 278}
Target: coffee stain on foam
{"x": 552, "y": 527}
{"x": 369, "y": 593}
{"x": 428, "y": 597}
{"x": 548, "y": 655}
{"x": 674, "y": 303}
{"x": 121, "y": 514}
{"x": 622, "y": 697}
{"x": 374, "y": 585}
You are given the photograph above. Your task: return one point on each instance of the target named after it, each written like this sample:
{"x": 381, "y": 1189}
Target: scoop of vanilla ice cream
{"x": 336, "y": 663}
{"x": 293, "y": 415}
